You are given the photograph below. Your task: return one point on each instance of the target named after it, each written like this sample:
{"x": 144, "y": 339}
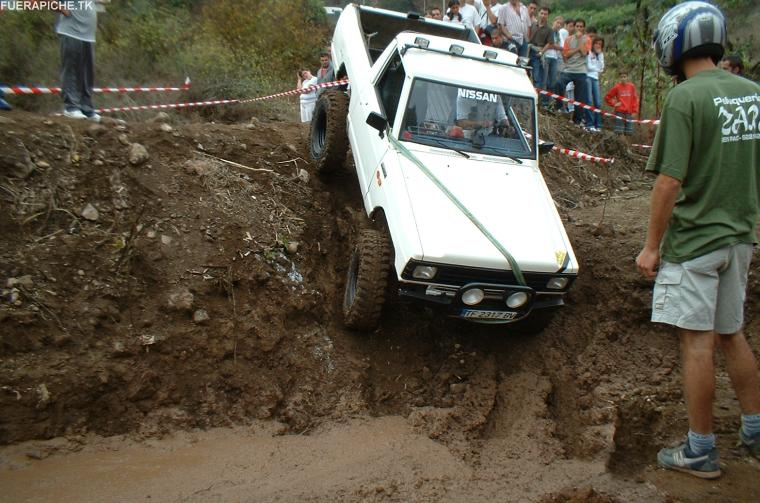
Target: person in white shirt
{"x": 453, "y": 15}
{"x": 514, "y": 22}
{"x": 595, "y": 63}
{"x": 308, "y": 100}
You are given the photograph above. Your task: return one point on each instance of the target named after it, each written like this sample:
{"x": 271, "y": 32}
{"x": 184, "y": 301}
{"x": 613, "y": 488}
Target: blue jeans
{"x": 550, "y": 79}
{"x": 596, "y": 100}
{"x": 538, "y": 68}
{"x": 580, "y": 80}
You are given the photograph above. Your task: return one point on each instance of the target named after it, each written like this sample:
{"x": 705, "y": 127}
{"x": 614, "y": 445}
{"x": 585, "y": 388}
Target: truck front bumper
{"x": 493, "y": 308}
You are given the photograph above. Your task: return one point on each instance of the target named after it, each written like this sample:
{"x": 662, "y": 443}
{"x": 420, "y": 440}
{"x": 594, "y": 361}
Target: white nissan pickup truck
{"x": 443, "y": 132}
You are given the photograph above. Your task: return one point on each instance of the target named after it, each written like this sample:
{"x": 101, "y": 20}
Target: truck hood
{"x": 510, "y": 200}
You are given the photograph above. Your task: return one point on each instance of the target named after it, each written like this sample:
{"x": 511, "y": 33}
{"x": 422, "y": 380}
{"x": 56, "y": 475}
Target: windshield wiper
{"x": 518, "y": 161}
{"x": 449, "y": 147}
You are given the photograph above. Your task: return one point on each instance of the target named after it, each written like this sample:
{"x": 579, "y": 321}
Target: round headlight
{"x": 424, "y": 272}
{"x": 473, "y": 296}
{"x": 517, "y": 299}
{"x": 557, "y": 283}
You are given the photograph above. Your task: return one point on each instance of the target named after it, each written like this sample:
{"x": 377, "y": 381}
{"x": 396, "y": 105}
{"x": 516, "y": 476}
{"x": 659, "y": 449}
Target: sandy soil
{"x": 114, "y": 386}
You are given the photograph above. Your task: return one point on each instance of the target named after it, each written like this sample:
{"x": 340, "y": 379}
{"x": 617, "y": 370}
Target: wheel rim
{"x": 351, "y": 282}
{"x": 320, "y": 131}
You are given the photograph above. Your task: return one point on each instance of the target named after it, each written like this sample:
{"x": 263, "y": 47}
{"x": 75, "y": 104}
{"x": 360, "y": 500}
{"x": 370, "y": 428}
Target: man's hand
{"x": 647, "y": 262}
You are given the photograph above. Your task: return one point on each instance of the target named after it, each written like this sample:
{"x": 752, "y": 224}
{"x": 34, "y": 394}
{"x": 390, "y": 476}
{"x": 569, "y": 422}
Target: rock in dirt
{"x": 6, "y": 120}
{"x": 166, "y": 128}
{"x": 160, "y": 117}
{"x": 16, "y": 160}
{"x": 25, "y": 281}
{"x": 43, "y": 164}
{"x": 198, "y": 167}
{"x": 181, "y": 300}
{"x": 200, "y": 316}
{"x": 90, "y": 213}
{"x": 138, "y": 154}
{"x": 44, "y": 396}
{"x": 96, "y": 130}
{"x": 123, "y": 139}
{"x": 303, "y": 175}
{"x": 166, "y": 239}
{"x": 293, "y": 247}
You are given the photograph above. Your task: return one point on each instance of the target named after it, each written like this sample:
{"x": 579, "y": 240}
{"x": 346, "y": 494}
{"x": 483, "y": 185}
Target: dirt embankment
{"x": 146, "y": 295}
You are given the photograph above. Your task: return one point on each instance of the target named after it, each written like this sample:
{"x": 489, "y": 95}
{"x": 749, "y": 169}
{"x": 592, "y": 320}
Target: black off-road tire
{"x": 366, "y": 281}
{"x": 328, "y": 141}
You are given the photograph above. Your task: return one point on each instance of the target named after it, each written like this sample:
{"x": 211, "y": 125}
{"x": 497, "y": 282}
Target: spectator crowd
{"x": 565, "y": 57}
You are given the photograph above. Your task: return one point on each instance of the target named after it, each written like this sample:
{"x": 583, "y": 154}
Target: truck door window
{"x": 389, "y": 87}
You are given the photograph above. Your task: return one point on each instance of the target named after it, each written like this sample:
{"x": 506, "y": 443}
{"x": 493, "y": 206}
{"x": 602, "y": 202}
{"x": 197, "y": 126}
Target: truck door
{"x": 382, "y": 97}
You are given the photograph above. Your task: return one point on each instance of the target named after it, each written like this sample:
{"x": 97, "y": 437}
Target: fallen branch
{"x": 232, "y": 163}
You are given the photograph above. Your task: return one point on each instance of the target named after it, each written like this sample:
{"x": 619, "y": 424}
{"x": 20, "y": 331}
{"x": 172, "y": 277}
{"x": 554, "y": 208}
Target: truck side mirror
{"x": 377, "y": 121}
{"x": 544, "y": 147}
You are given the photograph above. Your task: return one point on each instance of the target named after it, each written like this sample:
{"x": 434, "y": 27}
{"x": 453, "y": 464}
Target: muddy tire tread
{"x": 373, "y": 250}
{"x": 333, "y": 155}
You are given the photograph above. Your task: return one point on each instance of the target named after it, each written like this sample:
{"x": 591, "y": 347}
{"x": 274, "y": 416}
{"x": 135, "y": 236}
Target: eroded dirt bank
{"x": 203, "y": 294}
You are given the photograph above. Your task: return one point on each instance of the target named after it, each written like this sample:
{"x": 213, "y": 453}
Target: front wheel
{"x": 328, "y": 141}
{"x": 367, "y": 281}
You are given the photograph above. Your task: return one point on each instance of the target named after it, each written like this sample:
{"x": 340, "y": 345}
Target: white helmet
{"x": 689, "y": 29}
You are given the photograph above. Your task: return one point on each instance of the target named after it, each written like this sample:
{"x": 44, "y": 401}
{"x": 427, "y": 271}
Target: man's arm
{"x": 664, "y": 194}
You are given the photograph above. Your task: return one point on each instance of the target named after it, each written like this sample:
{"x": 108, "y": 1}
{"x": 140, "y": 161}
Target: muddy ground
{"x": 169, "y": 329}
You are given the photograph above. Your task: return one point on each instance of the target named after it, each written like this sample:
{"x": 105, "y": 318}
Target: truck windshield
{"x": 468, "y": 119}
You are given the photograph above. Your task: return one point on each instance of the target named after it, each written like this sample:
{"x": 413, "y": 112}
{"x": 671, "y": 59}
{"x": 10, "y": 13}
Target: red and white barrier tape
{"x": 583, "y": 156}
{"x": 305, "y": 90}
{"x": 594, "y": 109}
{"x": 57, "y": 90}
{"x": 164, "y": 107}
{"x": 220, "y": 102}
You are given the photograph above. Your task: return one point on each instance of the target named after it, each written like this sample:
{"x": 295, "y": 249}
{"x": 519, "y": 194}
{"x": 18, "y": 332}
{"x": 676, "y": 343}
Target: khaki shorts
{"x": 705, "y": 293}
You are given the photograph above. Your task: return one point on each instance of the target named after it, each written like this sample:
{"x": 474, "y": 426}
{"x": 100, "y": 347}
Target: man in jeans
{"x": 76, "y": 29}
{"x": 702, "y": 221}
{"x": 540, "y": 41}
{"x": 552, "y": 57}
{"x": 575, "y": 51}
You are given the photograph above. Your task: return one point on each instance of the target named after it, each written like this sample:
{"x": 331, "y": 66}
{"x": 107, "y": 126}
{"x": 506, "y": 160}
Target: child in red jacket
{"x": 625, "y": 101}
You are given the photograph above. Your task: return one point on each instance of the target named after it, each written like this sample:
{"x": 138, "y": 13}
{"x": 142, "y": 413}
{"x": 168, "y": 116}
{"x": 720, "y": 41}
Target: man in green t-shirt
{"x": 704, "y": 209}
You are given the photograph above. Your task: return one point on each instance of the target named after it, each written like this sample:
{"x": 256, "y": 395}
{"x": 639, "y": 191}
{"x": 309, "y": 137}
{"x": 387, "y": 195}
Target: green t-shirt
{"x": 709, "y": 139}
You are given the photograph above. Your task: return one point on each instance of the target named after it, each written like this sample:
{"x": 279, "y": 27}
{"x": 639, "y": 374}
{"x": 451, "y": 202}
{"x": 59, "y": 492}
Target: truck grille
{"x": 461, "y": 275}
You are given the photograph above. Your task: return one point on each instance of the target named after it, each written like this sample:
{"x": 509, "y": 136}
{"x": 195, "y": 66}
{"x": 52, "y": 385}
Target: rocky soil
{"x": 164, "y": 277}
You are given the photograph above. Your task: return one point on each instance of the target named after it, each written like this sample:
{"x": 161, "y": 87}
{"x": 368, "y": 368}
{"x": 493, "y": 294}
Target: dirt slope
{"x": 206, "y": 294}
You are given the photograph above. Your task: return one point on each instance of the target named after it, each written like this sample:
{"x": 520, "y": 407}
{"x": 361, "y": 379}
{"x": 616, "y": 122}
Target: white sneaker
{"x": 94, "y": 117}
{"x": 74, "y": 114}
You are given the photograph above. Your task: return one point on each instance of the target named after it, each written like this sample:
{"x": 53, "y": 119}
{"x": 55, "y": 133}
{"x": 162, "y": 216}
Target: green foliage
{"x": 230, "y": 48}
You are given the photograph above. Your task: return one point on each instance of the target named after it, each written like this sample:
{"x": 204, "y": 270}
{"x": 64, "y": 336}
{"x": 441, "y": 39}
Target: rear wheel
{"x": 367, "y": 280}
{"x": 328, "y": 143}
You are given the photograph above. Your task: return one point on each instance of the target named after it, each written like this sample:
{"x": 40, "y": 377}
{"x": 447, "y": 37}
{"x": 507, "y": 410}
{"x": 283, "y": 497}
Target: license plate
{"x": 488, "y": 315}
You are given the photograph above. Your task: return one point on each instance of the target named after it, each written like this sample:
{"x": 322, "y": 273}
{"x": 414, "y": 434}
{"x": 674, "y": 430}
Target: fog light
{"x": 422, "y": 42}
{"x": 456, "y": 49}
{"x": 517, "y": 299}
{"x": 473, "y": 296}
{"x": 490, "y": 55}
{"x": 557, "y": 283}
{"x": 424, "y": 272}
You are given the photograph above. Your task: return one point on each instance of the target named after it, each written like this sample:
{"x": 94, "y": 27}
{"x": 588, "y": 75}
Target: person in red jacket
{"x": 624, "y": 99}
